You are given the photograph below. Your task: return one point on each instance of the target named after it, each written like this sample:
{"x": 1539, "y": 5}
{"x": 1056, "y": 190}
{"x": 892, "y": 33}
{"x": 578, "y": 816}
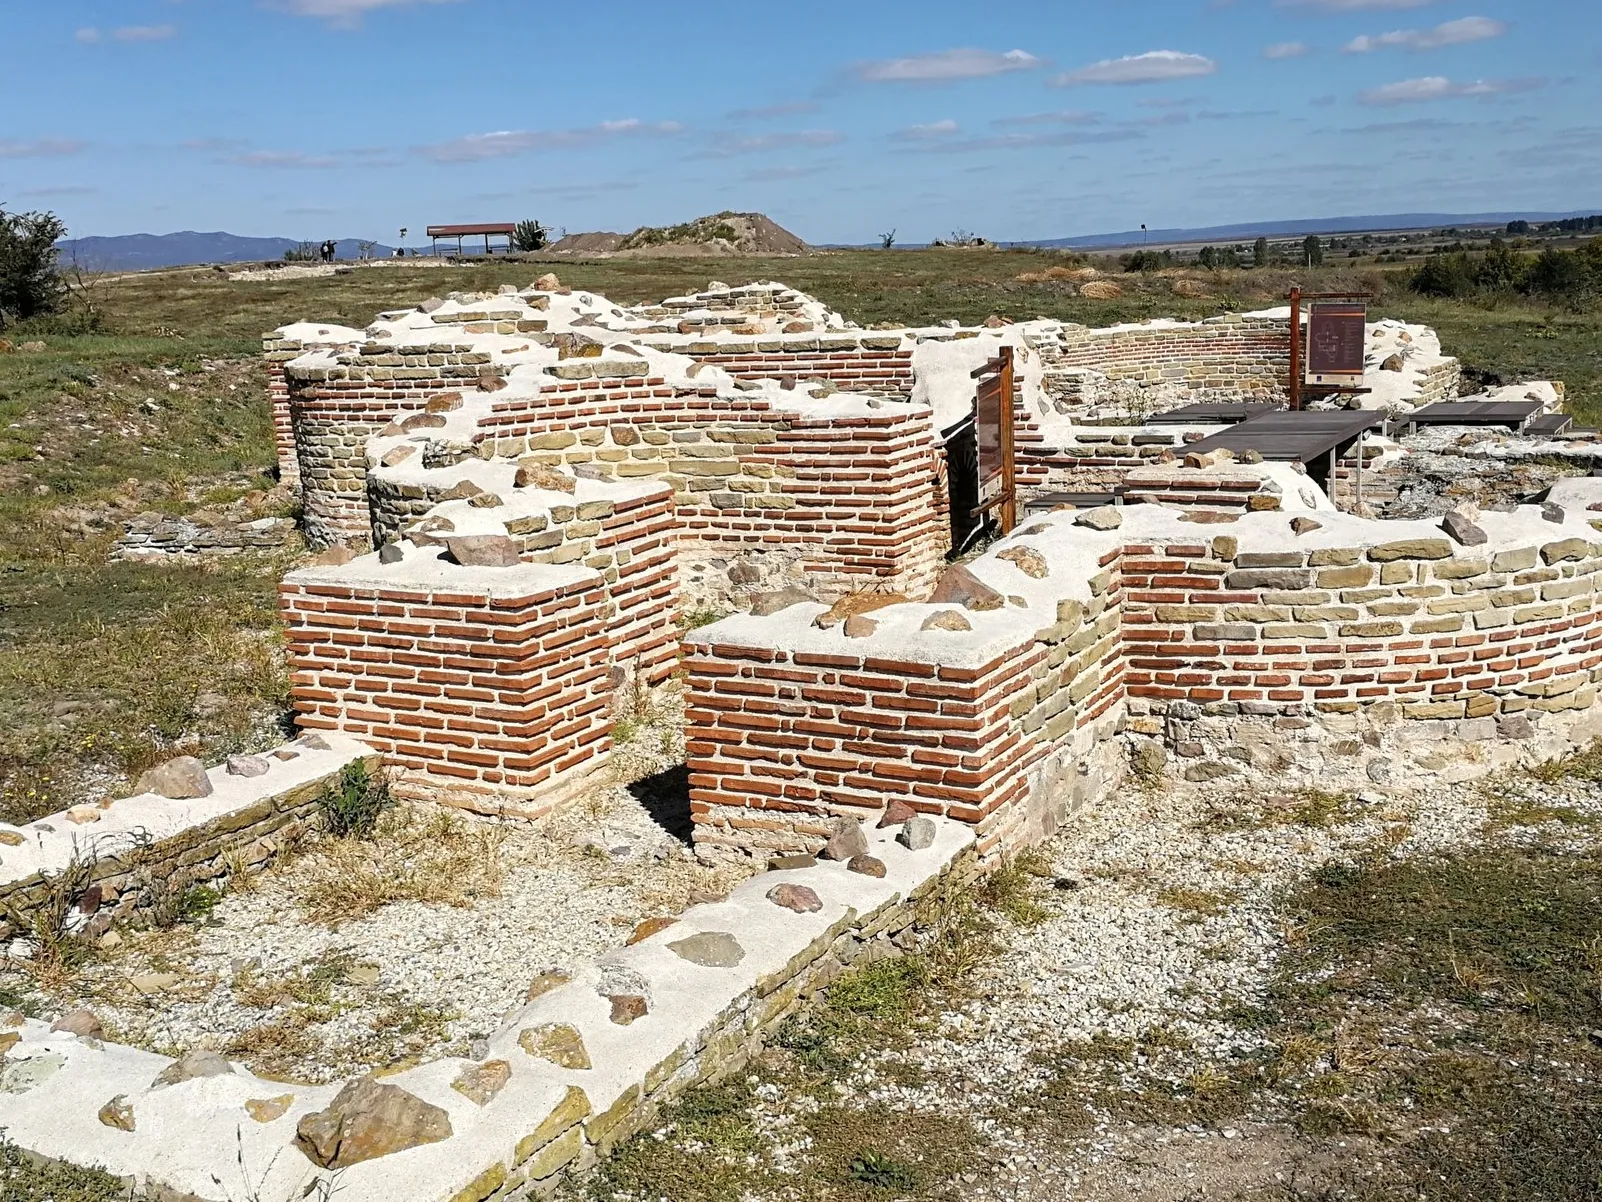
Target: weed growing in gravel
{"x": 1312, "y": 808}
{"x": 351, "y": 808}
{"x": 1197, "y": 903}
{"x": 1013, "y": 889}
{"x": 1584, "y": 765}
{"x": 412, "y": 854}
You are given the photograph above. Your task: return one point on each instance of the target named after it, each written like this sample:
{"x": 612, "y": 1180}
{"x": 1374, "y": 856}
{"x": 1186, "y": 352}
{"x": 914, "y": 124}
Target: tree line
{"x": 1569, "y": 276}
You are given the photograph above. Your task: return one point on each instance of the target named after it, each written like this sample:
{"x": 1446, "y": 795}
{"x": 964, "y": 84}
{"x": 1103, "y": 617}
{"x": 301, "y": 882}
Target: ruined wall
{"x": 847, "y": 494}
{"x": 1139, "y": 369}
{"x": 1441, "y": 630}
{"x": 336, "y": 407}
{"x": 483, "y": 688}
{"x": 880, "y": 364}
{"x": 132, "y": 859}
{"x": 793, "y": 718}
{"x": 990, "y": 717}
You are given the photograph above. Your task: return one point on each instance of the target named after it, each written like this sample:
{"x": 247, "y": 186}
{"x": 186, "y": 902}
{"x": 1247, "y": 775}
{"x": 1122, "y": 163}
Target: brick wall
{"x": 783, "y": 737}
{"x": 789, "y": 725}
{"x": 857, "y": 492}
{"x": 1223, "y": 359}
{"x": 483, "y": 688}
{"x": 868, "y": 363}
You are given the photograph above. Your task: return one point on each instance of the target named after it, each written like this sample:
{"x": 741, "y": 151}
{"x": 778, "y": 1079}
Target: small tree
{"x": 1207, "y": 257}
{"x": 302, "y": 252}
{"x": 1312, "y": 251}
{"x": 30, "y": 276}
{"x": 530, "y": 236}
{"x": 887, "y": 241}
{"x": 1260, "y": 253}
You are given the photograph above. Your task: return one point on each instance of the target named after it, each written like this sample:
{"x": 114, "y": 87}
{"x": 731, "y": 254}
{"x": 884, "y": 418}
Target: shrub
{"x": 30, "y": 276}
{"x": 530, "y": 236}
{"x": 351, "y": 808}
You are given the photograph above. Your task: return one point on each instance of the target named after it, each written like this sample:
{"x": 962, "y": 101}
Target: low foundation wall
{"x": 133, "y": 858}
{"x": 560, "y": 1085}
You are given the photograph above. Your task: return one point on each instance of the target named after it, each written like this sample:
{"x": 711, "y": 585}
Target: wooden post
{"x": 1296, "y": 348}
{"x": 1009, "y": 479}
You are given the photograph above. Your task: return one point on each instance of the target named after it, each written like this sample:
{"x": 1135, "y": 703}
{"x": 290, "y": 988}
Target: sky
{"x": 840, "y": 120}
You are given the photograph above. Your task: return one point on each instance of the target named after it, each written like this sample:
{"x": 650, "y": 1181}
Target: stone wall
{"x": 560, "y": 1085}
{"x": 280, "y": 347}
{"x": 849, "y": 491}
{"x": 135, "y": 857}
{"x": 336, "y": 408}
{"x": 158, "y": 537}
{"x": 1146, "y": 368}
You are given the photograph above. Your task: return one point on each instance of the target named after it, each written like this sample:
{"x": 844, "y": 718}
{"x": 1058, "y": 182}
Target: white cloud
{"x": 63, "y": 190}
{"x": 1439, "y": 87}
{"x": 1062, "y": 117}
{"x": 347, "y": 13}
{"x": 945, "y": 66}
{"x": 294, "y": 159}
{"x": 1281, "y": 50}
{"x": 1451, "y": 33}
{"x": 924, "y": 133}
{"x": 88, "y": 34}
{"x": 1155, "y": 66}
{"x": 728, "y": 144}
{"x": 768, "y": 112}
{"x": 144, "y": 33}
{"x": 40, "y": 148}
{"x": 1354, "y": 6}
{"x": 507, "y": 142}
{"x": 767, "y": 175}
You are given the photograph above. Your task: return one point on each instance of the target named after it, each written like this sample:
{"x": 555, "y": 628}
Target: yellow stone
{"x": 265, "y": 1110}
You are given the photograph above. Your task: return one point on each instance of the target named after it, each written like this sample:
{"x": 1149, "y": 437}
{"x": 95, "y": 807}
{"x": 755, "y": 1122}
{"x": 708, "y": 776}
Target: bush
{"x": 30, "y": 276}
{"x": 351, "y": 808}
{"x": 1145, "y": 260}
{"x": 530, "y": 236}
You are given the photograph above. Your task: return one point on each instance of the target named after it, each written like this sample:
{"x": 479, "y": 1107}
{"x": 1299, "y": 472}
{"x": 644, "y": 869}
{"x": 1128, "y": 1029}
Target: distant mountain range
{"x": 136, "y": 252}
{"x": 1288, "y": 229}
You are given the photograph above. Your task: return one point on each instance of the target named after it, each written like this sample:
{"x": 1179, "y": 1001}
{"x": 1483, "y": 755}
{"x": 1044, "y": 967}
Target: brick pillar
{"x": 483, "y": 688}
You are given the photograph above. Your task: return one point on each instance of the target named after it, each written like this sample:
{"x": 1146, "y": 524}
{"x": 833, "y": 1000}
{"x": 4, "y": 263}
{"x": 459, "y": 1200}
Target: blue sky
{"x": 1029, "y": 119}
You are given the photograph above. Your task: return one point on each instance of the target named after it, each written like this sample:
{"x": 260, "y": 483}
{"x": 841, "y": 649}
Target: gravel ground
{"x": 317, "y": 1000}
{"x": 1164, "y": 919}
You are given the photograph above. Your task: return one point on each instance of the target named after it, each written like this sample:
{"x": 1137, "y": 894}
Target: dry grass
{"x": 1101, "y": 290}
{"x": 418, "y": 854}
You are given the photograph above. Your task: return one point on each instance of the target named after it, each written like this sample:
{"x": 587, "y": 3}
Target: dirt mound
{"x": 719, "y": 234}
{"x": 586, "y": 244}
{"x": 1100, "y": 290}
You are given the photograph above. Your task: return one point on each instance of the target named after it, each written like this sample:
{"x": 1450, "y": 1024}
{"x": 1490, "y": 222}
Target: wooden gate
{"x": 993, "y": 425}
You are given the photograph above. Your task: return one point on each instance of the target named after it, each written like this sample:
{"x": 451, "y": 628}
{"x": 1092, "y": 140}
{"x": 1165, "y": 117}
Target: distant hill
{"x": 137, "y": 252}
{"x": 719, "y": 234}
{"x": 1288, "y": 229}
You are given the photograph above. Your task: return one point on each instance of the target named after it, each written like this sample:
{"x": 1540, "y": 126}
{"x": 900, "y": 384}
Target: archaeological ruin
{"x": 532, "y": 504}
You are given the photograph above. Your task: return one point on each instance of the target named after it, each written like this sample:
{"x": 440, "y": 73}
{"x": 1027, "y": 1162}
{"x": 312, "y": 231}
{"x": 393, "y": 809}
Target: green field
{"x": 105, "y": 667}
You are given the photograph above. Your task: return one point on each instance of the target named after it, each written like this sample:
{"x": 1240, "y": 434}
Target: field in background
{"x": 107, "y": 667}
